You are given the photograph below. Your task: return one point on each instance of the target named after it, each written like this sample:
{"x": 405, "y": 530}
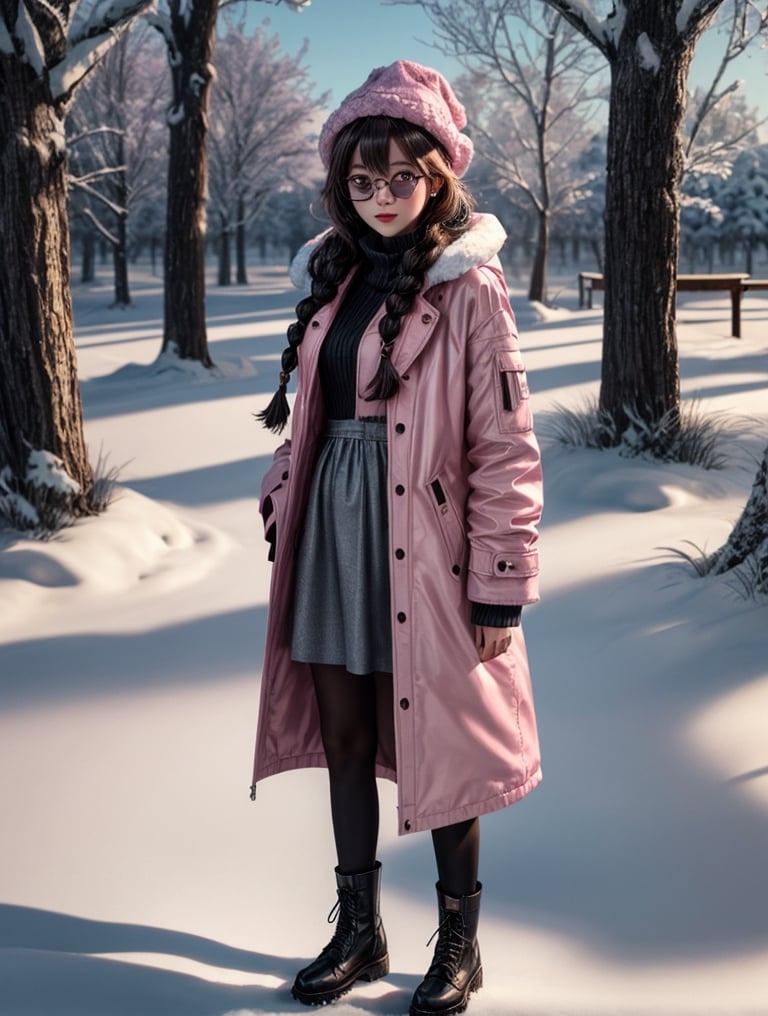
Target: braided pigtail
{"x": 328, "y": 266}
{"x": 409, "y": 283}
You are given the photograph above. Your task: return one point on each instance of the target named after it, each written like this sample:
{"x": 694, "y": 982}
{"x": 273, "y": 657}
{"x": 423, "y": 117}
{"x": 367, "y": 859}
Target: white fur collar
{"x": 474, "y": 248}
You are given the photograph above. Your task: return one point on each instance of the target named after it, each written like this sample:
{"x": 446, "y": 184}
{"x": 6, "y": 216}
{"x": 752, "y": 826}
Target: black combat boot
{"x": 358, "y": 949}
{"x": 456, "y": 969}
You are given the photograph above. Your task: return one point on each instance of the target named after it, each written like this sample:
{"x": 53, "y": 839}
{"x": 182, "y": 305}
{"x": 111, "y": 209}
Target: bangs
{"x": 373, "y": 135}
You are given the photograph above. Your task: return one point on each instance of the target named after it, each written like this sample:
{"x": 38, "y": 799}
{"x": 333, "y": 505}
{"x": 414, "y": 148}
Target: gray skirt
{"x": 341, "y": 597}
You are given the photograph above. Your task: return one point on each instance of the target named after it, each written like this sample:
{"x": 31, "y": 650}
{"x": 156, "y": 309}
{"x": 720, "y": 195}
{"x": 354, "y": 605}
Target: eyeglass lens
{"x": 402, "y": 185}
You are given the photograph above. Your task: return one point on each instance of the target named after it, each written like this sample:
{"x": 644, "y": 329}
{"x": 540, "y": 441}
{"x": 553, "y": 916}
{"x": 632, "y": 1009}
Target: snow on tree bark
{"x": 750, "y": 534}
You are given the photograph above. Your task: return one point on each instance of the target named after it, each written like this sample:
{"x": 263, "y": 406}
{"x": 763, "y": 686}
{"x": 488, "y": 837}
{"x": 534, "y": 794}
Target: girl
{"x": 402, "y": 516}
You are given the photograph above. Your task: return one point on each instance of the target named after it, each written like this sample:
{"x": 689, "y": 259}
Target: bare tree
{"x": 117, "y": 143}
{"x": 259, "y": 139}
{"x": 46, "y": 50}
{"x": 533, "y": 76}
{"x": 716, "y": 128}
{"x": 188, "y": 26}
{"x": 649, "y": 47}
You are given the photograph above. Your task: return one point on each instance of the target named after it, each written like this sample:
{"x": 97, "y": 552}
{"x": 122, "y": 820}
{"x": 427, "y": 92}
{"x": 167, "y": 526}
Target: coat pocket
{"x": 450, "y": 527}
{"x": 513, "y": 409}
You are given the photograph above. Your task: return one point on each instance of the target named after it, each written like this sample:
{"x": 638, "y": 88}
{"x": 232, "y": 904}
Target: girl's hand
{"x": 491, "y": 642}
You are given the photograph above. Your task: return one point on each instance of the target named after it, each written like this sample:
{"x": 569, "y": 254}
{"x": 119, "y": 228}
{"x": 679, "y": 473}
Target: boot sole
{"x": 475, "y": 984}
{"x": 373, "y": 972}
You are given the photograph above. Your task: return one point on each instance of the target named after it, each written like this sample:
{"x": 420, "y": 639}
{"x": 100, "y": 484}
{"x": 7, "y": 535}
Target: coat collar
{"x": 476, "y": 247}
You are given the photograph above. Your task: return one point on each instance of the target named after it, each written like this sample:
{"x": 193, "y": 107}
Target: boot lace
{"x": 450, "y": 943}
{"x": 344, "y": 913}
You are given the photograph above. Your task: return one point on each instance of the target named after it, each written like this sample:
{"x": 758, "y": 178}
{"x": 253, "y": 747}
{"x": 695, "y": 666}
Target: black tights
{"x": 355, "y": 712}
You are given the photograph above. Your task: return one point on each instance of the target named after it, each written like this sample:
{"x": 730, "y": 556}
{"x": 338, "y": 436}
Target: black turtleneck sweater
{"x": 337, "y": 365}
{"x": 368, "y": 290}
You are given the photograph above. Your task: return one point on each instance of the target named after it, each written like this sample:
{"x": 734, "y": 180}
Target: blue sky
{"x": 347, "y": 38}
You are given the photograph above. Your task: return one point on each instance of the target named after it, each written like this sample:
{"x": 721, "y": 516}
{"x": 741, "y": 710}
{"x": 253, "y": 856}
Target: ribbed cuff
{"x": 495, "y": 615}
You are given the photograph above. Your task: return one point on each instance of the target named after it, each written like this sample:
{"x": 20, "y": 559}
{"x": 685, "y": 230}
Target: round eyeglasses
{"x": 401, "y": 185}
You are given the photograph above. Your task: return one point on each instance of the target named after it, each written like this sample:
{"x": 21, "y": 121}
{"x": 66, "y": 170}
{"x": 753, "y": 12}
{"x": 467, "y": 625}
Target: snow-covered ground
{"x": 137, "y": 879}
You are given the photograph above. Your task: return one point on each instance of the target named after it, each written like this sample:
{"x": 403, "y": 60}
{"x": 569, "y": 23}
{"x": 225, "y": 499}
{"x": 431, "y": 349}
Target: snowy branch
{"x": 161, "y": 22}
{"x": 295, "y": 5}
{"x": 28, "y": 36}
{"x": 102, "y": 229}
{"x": 605, "y": 34}
{"x": 747, "y": 23}
{"x": 95, "y": 174}
{"x": 103, "y": 16}
{"x": 91, "y": 132}
{"x": 693, "y": 16}
{"x": 90, "y": 39}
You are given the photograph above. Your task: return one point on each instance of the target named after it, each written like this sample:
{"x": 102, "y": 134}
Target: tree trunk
{"x": 120, "y": 250}
{"x": 185, "y": 330}
{"x": 597, "y": 250}
{"x": 537, "y": 289}
{"x": 241, "y": 243}
{"x": 225, "y": 260}
{"x": 120, "y": 263}
{"x": 749, "y": 262}
{"x": 39, "y": 396}
{"x": 88, "y": 266}
{"x": 750, "y": 534}
{"x": 642, "y": 232}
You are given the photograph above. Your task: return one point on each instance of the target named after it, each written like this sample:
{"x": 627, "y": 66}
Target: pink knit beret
{"x": 406, "y": 91}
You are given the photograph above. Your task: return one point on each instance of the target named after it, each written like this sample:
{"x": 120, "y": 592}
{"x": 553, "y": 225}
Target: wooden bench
{"x": 735, "y": 283}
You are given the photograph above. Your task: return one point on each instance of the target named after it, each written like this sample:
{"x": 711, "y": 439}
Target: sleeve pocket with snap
{"x": 513, "y": 410}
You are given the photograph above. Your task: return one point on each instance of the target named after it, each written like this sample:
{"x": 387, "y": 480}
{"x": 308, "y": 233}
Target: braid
{"x": 328, "y": 267}
{"x": 408, "y": 284}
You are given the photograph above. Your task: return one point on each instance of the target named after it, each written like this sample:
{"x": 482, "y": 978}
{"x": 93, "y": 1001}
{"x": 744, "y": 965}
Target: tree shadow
{"x": 204, "y": 649}
{"x": 45, "y": 968}
{"x": 48, "y": 966}
{"x": 227, "y": 481}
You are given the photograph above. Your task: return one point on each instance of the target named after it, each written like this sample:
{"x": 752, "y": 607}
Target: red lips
{"x": 385, "y": 217}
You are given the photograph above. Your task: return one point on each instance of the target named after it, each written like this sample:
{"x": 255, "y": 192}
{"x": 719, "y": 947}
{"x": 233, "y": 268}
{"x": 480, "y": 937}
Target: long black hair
{"x": 445, "y": 217}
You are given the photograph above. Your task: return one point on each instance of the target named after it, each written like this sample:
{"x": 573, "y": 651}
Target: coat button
{"x": 405, "y": 377}
{"x": 401, "y": 617}
{"x": 426, "y": 318}
{"x": 285, "y": 475}
{"x": 456, "y": 569}
{"x": 400, "y": 428}
{"x": 315, "y": 324}
{"x": 404, "y": 703}
{"x": 502, "y": 565}
{"x": 399, "y": 490}
{"x": 407, "y": 825}
{"x": 399, "y": 553}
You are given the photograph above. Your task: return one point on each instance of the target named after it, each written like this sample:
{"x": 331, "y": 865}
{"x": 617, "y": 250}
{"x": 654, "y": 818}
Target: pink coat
{"x": 464, "y": 503}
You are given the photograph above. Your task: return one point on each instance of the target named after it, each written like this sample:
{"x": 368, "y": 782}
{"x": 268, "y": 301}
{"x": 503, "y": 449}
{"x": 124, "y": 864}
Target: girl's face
{"x": 384, "y": 212}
